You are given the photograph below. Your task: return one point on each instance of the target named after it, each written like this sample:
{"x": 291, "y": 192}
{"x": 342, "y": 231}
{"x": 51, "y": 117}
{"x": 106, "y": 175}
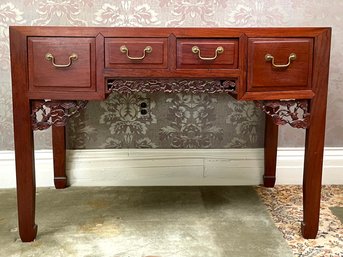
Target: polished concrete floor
{"x": 144, "y": 221}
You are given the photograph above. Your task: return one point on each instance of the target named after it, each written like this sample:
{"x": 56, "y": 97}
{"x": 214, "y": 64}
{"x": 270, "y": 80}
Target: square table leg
{"x": 270, "y": 151}
{"x": 312, "y": 179}
{"x": 59, "y": 152}
{"x": 25, "y": 170}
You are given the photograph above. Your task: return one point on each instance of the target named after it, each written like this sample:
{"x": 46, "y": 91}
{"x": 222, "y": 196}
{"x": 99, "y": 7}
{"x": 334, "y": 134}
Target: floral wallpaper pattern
{"x": 246, "y": 119}
{"x": 122, "y": 117}
{"x": 173, "y": 120}
{"x": 192, "y": 124}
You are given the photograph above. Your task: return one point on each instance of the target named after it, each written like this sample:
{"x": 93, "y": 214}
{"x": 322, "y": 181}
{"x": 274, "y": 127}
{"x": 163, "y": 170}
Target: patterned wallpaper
{"x": 174, "y": 120}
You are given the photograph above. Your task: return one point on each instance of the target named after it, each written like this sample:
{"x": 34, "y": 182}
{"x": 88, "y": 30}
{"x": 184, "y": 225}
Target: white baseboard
{"x": 165, "y": 167}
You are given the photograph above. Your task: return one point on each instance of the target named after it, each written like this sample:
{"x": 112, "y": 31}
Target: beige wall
{"x": 89, "y": 130}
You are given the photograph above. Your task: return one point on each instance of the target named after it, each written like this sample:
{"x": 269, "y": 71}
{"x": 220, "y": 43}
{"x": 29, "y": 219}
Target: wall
{"x": 176, "y": 120}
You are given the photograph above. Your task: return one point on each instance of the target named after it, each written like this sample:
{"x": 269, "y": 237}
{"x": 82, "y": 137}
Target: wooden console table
{"x": 55, "y": 70}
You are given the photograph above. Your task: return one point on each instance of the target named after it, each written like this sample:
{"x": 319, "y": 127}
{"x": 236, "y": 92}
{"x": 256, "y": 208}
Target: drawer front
{"x": 49, "y": 60}
{"x": 136, "y": 53}
{"x": 279, "y": 64}
{"x": 207, "y": 53}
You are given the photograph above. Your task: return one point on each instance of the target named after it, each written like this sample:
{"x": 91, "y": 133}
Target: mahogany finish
{"x": 23, "y": 139}
{"x": 59, "y": 152}
{"x": 43, "y": 76}
{"x": 114, "y": 58}
{"x": 315, "y": 134}
{"x": 292, "y": 112}
{"x": 262, "y": 75}
{"x": 241, "y": 70}
{"x": 226, "y": 60}
{"x": 271, "y": 133}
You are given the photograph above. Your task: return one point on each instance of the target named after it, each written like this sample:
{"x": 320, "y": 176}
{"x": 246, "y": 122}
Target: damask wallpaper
{"x": 174, "y": 120}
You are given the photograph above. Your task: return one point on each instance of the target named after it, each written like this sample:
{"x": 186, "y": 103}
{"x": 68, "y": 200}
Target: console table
{"x": 55, "y": 70}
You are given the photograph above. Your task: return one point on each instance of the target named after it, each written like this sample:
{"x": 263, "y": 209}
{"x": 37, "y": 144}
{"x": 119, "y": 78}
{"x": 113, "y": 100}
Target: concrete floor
{"x": 144, "y": 221}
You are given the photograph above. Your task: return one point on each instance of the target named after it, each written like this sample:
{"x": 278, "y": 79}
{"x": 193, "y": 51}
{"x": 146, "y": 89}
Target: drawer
{"x": 207, "y": 53}
{"x": 61, "y": 64}
{"x": 136, "y": 53}
{"x": 279, "y": 64}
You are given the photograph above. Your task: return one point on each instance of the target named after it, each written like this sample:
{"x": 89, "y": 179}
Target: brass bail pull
{"x": 196, "y": 50}
{"x": 269, "y": 57}
{"x": 125, "y": 50}
{"x": 50, "y": 57}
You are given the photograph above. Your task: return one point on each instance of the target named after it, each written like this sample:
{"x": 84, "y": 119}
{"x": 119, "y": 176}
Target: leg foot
{"x": 29, "y": 234}
{"x": 60, "y": 182}
{"x": 269, "y": 181}
{"x": 309, "y": 232}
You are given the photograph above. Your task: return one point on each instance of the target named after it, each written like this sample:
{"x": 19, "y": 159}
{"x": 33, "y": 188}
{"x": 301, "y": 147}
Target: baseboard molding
{"x": 169, "y": 167}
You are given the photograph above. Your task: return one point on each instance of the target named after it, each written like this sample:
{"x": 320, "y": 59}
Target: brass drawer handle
{"x": 269, "y": 57}
{"x": 196, "y": 50}
{"x": 125, "y": 50}
{"x": 72, "y": 57}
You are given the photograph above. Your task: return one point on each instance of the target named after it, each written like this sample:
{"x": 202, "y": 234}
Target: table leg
{"x": 59, "y": 152}
{"x": 312, "y": 180}
{"x": 25, "y": 170}
{"x": 270, "y": 152}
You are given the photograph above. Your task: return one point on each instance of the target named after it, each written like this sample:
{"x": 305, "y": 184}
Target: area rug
{"x": 285, "y": 206}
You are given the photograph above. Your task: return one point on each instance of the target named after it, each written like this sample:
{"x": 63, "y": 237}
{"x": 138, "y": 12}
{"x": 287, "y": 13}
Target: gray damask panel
{"x": 174, "y": 121}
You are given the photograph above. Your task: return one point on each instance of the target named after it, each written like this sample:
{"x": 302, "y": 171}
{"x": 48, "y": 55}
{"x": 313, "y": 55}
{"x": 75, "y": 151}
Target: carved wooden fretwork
{"x": 45, "y": 113}
{"x": 171, "y": 86}
{"x": 292, "y": 112}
